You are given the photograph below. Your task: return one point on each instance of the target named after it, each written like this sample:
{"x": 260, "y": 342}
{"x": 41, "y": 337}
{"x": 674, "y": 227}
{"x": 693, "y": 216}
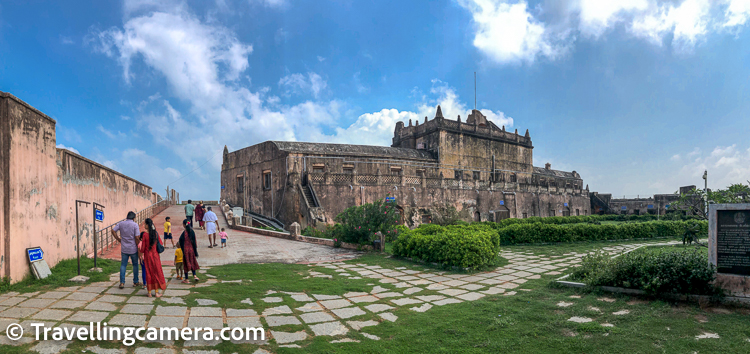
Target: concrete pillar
{"x": 294, "y": 229}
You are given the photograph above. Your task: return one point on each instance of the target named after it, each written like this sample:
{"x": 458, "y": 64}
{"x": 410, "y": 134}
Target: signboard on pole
{"x": 650, "y": 206}
{"x": 39, "y": 266}
{"x": 222, "y": 187}
{"x": 624, "y": 208}
{"x": 566, "y": 204}
{"x": 502, "y": 202}
{"x": 390, "y": 199}
{"x": 99, "y": 215}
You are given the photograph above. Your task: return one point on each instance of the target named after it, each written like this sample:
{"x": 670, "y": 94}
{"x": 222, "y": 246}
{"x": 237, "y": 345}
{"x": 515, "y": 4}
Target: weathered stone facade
{"x": 443, "y": 168}
{"x": 658, "y": 204}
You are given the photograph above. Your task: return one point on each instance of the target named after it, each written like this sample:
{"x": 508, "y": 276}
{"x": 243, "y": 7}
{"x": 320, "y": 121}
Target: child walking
{"x": 178, "y": 263}
{"x": 223, "y": 238}
{"x": 168, "y": 232}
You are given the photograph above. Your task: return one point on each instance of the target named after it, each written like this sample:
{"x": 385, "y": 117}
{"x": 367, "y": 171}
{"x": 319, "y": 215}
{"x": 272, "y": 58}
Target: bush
{"x": 593, "y": 219}
{"x": 657, "y": 272}
{"x": 449, "y": 246}
{"x": 359, "y": 223}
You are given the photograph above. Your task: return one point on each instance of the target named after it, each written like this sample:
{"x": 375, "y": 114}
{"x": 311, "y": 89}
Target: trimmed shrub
{"x": 591, "y": 219}
{"x": 449, "y": 246}
{"x": 661, "y": 271}
{"x": 546, "y": 233}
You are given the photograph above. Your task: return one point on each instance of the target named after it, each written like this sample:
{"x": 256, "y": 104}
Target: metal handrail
{"x": 105, "y": 236}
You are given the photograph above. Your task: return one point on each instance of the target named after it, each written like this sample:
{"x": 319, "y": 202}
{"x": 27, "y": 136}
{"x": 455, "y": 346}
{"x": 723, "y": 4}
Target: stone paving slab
{"x": 446, "y": 301}
{"x": 128, "y": 320}
{"x": 284, "y": 337}
{"x": 329, "y": 329}
{"x": 357, "y": 325}
{"x": 430, "y": 298}
{"x": 379, "y": 307}
{"x": 302, "y": 298}
{"x": 452, "y": 292}
{"x": 13, "y": 301}
{"x": 244, "y": 322}
{"x": 127, "y": 290}
{"x": 310, "y": 307}
{"x": 112, "y": 298}
{"x": 406, "y": 301}
{"x": 79, "y": 296}
{"x": 101, "y": 306}
{"x": 179, "y": 311}
{"x": 137, "y": 309}
{"x": 141, "y": 300}
{"x": 348, "y": 312}
{"x": 279, "y": 310}
{"x": 366, "y": 298}
{"x": 325, "y": 297}
{"x": 36, "y": 303}
{"x": 315, "y": 317}
{"x": 335, "y": 304}
{"x": 205, "y": 312}
{"x": 68, "y": 304}
{"x": 275, "y": 321}
{"x": 166, "y": 321}
{"x": 211, "y": 322}
{"x": 88, "y": 316}
{"x": 241, "y": 312}
{"x": 53, "y": 315}
{"x": 470, "y": 296}
{"x": 57, "y": 295}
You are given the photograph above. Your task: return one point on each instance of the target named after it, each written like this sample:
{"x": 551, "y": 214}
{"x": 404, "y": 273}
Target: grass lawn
{"x": 63, "y": 271}
{"x": 528, "y": 322}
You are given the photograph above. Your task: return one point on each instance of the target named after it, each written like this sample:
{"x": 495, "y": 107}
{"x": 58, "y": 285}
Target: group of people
{"x": 207, "y": 221}
{"x": 140, "y": 247}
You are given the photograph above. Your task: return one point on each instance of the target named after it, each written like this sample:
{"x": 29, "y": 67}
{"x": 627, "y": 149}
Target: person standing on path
{"x": 189, "y": 209}
{"x": 189, "y": 251}
{"x": 128, "y": 237}
{"x": 200, "y": 210}
{"x": 211, "y": 225}
{"x": 151, "y": 260}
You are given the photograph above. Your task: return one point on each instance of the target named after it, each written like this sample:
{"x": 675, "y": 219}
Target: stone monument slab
{"x": 729, "y": 246}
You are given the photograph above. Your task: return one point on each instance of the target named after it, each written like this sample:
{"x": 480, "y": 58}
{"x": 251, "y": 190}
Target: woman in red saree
{"x": 150, "y": 257}
{"x": 189, "y": 251}
{"x": 200, "y": 210}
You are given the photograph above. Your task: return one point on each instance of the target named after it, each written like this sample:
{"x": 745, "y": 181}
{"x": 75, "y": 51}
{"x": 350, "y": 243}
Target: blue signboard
{"x": 667, "y": 206}
{"x": 502, "y": 202}
{"x": 99, "y": 215}
{"x": 35, "y": 254}
{"x": 222, "y": 187}
{"x": 566, "y": 204}
{"x": 624, "y": 208}
{"x": 390, "y": 199}
{"x": 650, "y": 206}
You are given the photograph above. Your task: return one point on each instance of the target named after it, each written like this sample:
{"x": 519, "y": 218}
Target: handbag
{"x": 159, "y": 247}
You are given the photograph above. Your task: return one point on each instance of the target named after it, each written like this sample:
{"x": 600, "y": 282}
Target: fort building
{"x": 433, "y": 170}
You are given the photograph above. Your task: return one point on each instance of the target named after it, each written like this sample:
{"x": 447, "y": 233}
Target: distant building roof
{"x": 352, "y": 150}
{"x": 554, "y": 173}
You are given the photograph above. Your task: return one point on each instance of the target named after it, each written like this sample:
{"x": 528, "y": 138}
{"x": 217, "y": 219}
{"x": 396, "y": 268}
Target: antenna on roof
{"x": 475, "y": 90}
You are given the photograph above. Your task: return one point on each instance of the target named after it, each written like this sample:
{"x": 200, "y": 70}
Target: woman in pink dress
{"x": 150, "y": 257}
{"x": 189, "y": 251}
{"x": 200, "y": 210}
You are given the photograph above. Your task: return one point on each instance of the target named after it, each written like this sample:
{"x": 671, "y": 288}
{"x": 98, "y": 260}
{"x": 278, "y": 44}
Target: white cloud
{"x": 676, "y": 157}
{"x": 737, "y": 13}
{"x": 61, "y": 146}
{"x": 300, "y": 84}
{"x": 109, "y": 133}
{"x": 508, "y": 31}
{"x": 200, "y": 62}
{"x": 321, "y": 59}
{"x": 269, "y": 3}
{"x": 66, "y": 40}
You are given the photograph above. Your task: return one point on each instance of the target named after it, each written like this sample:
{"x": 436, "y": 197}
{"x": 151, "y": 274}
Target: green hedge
{"x": 659, "y": 271}
{"x": 592, "y": 219}
{"x": 460, "y": 246}
{"x": 539, "y": 232}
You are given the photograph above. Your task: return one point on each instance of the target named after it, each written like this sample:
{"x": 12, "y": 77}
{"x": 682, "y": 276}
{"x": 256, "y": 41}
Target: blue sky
{"x": 638, "y": 96}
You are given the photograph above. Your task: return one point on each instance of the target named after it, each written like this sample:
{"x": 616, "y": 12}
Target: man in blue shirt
{"x": 128, "y": 238}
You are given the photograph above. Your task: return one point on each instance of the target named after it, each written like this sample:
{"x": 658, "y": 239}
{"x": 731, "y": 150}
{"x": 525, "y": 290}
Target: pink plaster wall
{"x": 41, "y": 187}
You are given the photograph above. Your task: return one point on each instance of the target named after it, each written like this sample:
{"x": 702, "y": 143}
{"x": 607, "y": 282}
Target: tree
{"x": 694, "y": 202}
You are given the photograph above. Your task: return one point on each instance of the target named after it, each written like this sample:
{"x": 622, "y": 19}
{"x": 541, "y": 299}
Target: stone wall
{"x": 40, "y": 186}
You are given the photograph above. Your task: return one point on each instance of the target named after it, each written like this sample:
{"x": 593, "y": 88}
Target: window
{"x": 426, "y": 219}
{"x": 348, "y": 168}
{"x": 578, "y": 212}
{"x": 420, "y": 173}
{"x": 396, "y": 171}
{"x": 512, "y": 178}
{"x": 318, "y": 168}
{"x": 457, "y": 174}
{"x": 476, "y": 175}
{"x": 525, "y": 215}
{"x": 240, "y": 183}
{"x": 552, "y": 212}
{"x": 266, "y": 179}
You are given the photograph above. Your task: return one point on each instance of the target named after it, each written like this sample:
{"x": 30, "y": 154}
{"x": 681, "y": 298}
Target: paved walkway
{"x": 243, "y": 247}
